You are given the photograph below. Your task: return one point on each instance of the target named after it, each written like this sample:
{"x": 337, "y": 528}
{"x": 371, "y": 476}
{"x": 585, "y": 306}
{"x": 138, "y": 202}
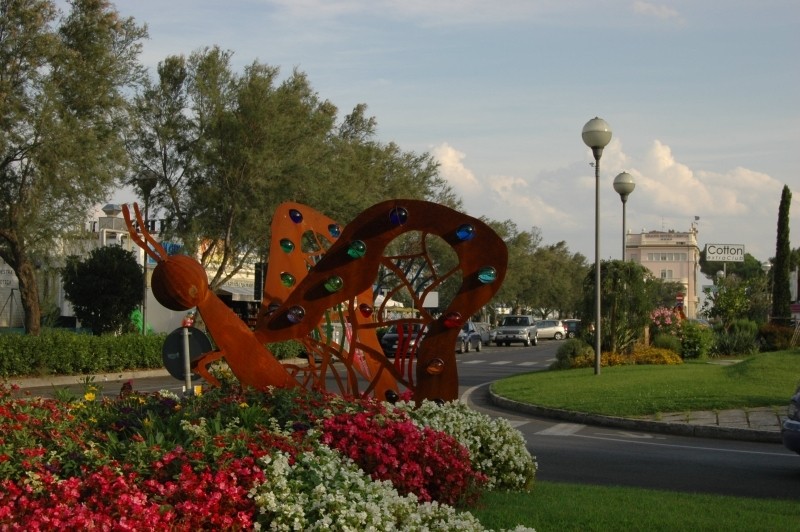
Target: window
{"x": 667, "y": 257}
{"x": 666, "y": 274}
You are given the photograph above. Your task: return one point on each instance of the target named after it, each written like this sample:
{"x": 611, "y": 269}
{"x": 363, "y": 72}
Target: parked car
{"x": 573, "y": 327}
{"x": 518, "y": 328}
{"x": 554, "y": 329}
{"x": 473, "y": 335}
{"x": 402, "y": 338}
{"x": 790, "y": 432}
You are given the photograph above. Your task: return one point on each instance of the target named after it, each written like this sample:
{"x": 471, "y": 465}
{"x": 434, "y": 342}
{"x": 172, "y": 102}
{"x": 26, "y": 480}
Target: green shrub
{"x": 774, "y": 336}
{"x": 569, "y": 351}
{"x": 667, "y": 341}
{"x": 696, "y": 340}
{"x": 735, "y": 339}
{"x": 63, "y": 352}
{"x": 287, "y": 350}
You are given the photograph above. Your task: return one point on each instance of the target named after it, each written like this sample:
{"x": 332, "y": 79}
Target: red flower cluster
{"x": 108, "y": 500}
{"x": 430, "y": 464}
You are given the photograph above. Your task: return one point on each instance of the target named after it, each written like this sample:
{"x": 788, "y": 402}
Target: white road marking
{"x": 561, "y": 429}
{"x": 528, "y": 363}
{"x": 501, "y": 363}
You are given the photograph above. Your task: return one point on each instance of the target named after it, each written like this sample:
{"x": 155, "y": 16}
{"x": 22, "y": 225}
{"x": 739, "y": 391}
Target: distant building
{"x": 672, "y": 256}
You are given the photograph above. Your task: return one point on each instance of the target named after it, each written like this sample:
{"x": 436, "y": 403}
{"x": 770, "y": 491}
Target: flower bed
{"x": 243, "y": 459}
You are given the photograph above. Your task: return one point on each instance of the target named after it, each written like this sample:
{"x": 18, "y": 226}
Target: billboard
{"x": 725, "y": 252}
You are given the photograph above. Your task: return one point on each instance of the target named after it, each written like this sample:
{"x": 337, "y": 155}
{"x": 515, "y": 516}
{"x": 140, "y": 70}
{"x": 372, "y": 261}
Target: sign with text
{"x": 725, "y": 252}
{"x": 8, "y": 279}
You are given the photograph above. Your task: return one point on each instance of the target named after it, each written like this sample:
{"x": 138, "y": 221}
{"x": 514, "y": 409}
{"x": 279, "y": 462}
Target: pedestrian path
{"x": 750, "y": 424}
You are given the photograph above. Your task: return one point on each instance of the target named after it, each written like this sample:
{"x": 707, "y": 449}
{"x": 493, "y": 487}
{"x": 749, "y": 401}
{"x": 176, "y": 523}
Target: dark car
{"x": 403, "y": 338}
{"x": 790, "y": 432}
{"x": 573, "y": 327}
{"x": 473, "y": 335}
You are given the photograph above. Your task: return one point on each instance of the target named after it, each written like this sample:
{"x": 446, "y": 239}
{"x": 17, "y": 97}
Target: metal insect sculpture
{"x": 319, "y": 291}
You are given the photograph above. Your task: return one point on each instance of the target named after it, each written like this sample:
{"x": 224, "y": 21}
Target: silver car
{"x": 514, "y": 329}
{"x": 554, "y": 329}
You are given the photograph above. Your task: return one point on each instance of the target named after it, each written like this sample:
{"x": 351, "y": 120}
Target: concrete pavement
{"x": 752, "y": 424}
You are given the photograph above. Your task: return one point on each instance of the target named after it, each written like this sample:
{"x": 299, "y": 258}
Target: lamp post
{"x": 596, "y": 134}
{"x": 146, "y": 185}
{"x": 624, "y": 185}
{"x": 766, "y": 266}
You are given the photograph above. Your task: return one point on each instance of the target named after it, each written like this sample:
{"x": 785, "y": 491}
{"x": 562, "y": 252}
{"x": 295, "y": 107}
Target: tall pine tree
{"x": 780, "y": 268}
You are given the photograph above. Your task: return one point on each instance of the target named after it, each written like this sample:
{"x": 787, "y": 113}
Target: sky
{"x": 701, "y": 97}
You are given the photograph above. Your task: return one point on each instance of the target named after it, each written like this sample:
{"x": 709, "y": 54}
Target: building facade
{"x": 671, "y": 256}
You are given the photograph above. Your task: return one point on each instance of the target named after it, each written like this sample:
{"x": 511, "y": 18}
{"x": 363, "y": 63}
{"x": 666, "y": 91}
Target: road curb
{"x": 114, "y": 376}
{"x": 679, "y": 429}
{"x": 61, "y": 380}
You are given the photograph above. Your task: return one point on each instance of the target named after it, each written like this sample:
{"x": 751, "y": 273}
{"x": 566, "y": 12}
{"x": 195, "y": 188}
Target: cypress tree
{"x": 780, "y": 268}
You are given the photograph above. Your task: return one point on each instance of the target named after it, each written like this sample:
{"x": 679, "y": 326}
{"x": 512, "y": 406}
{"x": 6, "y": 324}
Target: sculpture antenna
{"x": 155, "y": 250}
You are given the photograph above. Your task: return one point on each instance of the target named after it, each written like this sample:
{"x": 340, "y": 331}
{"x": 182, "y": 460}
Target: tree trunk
{"x": 29, "y": 294}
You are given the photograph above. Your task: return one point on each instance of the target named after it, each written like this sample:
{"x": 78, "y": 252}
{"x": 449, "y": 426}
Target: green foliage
{"x": 732, "y": 298}
{"x": 774, "y": 337}
{"x": 737, "y": 339}
{"x": 225, "y": 148}
{"x": 287, "y": 350}
{"x": 667, "y": 341}
{"x": 64, "y": 116}
{"x": 780, "y": 266}
{"x": 569, "y": 351}
{"x": 60, "y": 352}
{"x": 104, "y": 288}
{"x": 626, "y": 301}
{"x": 696, "y": 340}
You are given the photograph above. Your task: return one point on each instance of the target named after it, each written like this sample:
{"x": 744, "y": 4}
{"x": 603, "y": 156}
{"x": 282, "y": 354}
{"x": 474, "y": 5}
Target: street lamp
{"x": 624, "y": 185}
{"x": 146, "y": 185}
{"x": 766, "y": 266}
{"x": 596, "y": 134}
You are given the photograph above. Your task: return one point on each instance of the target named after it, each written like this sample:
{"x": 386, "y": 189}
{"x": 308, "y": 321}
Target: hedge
{"x": 60, "y": 352}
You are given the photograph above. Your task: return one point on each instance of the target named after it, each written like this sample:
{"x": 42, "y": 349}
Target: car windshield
{"x": 515, "y": 320}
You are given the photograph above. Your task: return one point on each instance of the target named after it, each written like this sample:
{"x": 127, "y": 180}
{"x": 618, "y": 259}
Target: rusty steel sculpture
{"x": 319, "y": 291}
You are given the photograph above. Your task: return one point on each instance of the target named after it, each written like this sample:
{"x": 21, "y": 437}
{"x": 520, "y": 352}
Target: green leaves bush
{"x": 696, "y": 340}
{"x": 737, "y": 338}
{"x": 774, "y": 337}
{"x": 60, "y": 352}
{"x": 572, "y": 349}
{"x": 667, "y": 341}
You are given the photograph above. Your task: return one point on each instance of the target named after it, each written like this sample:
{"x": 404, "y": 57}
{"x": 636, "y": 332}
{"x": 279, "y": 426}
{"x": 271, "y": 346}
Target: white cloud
{"x": 738, "y": 206}
{"x": 451, "y": 167}
{"x": 655, "y": 10}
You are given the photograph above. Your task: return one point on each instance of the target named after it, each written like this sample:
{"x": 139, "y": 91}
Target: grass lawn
{"x": 767, "y": 379}
{"x": 576, "y": 507}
